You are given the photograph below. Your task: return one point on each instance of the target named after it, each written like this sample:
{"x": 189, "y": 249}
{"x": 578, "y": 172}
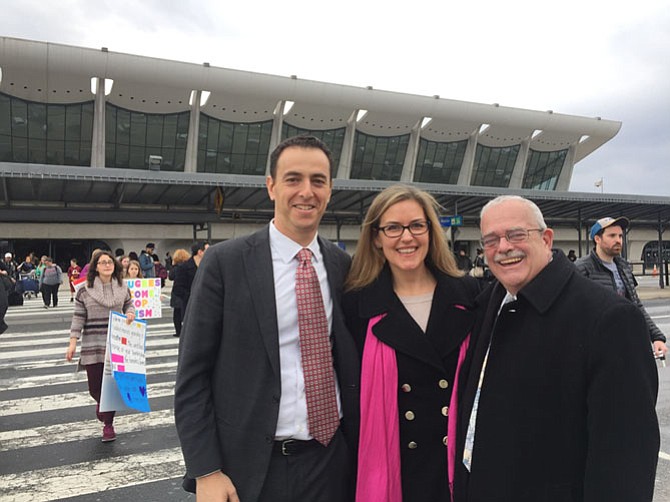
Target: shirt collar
{"x": 286, "y": 248}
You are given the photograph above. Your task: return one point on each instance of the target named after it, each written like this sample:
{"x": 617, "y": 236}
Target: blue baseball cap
{"x": 602, "y": 223}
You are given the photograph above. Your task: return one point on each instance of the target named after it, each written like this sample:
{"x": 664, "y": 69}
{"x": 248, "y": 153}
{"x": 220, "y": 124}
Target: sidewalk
{"x": 649, "y": 289}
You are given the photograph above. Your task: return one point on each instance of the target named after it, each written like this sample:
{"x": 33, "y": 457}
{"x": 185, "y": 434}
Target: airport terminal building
{"x": 99, "y": 148}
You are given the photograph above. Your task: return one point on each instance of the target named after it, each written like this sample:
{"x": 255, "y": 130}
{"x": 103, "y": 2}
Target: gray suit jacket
{"x": 228, "y": 381}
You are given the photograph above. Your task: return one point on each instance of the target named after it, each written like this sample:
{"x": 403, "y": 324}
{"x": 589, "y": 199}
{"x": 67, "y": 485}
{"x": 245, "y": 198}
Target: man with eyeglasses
{"x": 559, "y": 399}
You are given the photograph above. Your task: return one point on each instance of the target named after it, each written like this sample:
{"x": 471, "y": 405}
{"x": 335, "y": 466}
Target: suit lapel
{"x": 258, "y": 268}
{"x": 335, "y": 274}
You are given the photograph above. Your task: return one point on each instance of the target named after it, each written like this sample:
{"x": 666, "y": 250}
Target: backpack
{"x": 162, "y": 272}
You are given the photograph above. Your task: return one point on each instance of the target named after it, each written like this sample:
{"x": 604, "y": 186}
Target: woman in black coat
{"x": 409, "y": 308}
{"x": 177, "y": 298}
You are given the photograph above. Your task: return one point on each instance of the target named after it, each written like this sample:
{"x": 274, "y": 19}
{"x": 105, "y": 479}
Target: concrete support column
{"x": 275, "y": 135}
{"x": 409, "y": 167}
{"x": 563, "y": 183}
{"x": 191, "y": 160}
{"x": 465, "y": 175}
{"x": 98, "y": 139}
{"x": 520, "y": 165}
{"x": 347, "y": 157}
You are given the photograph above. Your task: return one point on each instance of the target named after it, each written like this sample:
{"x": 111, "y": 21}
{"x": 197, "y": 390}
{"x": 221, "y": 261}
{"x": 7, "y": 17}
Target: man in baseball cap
{"x": 606, "y": 266}
{"x": 603, "y": 223}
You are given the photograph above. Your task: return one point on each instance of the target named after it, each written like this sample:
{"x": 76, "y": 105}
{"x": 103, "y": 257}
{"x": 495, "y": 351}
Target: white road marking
{"x": 90, "y": 477}
{"x": 69, "y": 400}
{"x": 81, "y": 430}
{"x": 44, "y": 381}
{"x": 62, "y": 339}
{"x": 663, "y": 456}
{"x": 42, "y": 363}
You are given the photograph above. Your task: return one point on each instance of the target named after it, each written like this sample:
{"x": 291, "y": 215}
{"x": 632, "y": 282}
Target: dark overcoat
{"x": 183, "y": 274}
{"x": 228, "y": 380}
{"x": 426, "y": 367}
{"x": 566, "y": 411}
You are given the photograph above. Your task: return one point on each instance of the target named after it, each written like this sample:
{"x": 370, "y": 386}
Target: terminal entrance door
{"x": 61, "y": 250}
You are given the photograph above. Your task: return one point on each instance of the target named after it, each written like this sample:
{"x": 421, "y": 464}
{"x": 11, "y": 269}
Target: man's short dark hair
{"x": 198, "y": 246}
{"x": 302, "y": 141}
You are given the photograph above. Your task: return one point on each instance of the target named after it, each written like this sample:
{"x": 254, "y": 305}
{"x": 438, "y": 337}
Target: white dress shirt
{"x": 292, "y": 420}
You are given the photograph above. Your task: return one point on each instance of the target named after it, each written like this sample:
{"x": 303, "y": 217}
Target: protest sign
{"x": 79, "y": 283}
{"x": 146, "y": 296}
{"x": 124, "y": 380}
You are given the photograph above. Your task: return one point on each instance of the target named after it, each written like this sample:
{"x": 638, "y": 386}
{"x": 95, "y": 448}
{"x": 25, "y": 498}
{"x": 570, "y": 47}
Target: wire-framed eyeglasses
{"x": 515, "y": 236}
{"x": 395, "y": 230}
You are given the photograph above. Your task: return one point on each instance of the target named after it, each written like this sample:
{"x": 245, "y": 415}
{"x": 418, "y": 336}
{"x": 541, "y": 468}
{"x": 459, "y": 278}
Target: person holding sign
{"x": 105, "y": 291}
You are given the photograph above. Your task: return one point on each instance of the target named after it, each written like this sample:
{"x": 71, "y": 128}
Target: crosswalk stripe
{"x": 76, "y": 479}
{"x": 63, "y": 338}
{"x": 85, "y": 429}
{"x": 69, "y": 400}
{"x": 41, "y": 363}
{"x": 45, "y": 381}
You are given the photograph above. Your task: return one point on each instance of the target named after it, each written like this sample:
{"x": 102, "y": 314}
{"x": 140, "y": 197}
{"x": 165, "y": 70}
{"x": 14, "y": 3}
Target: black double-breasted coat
{"x": 426, "y": 366}
{"x": 567, "y": 405}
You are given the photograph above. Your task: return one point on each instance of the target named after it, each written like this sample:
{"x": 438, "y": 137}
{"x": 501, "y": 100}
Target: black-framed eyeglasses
{"x": 395, "y": 230}
{"x": 515, "y": 236}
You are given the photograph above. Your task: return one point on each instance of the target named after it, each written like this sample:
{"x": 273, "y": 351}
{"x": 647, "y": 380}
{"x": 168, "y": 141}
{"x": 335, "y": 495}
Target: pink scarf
{"x": 378, "y": 477}
{"x": 379, "y": 445}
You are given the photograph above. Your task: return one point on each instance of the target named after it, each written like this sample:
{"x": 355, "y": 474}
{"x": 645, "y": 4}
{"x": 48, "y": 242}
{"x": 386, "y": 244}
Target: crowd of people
{"x": 406, "y": 373}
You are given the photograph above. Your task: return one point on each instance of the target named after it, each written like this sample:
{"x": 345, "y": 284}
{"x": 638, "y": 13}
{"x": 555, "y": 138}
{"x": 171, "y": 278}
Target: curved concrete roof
{"x": 55, "y": 73}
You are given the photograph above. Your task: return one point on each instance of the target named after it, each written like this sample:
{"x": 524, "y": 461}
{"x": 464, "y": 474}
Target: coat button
{"x": 445, "y": 411}
{"x": 443, "y": 384}
{"x": 406, "y": 387}
{"x": 409, "y": 415}
{"x": 412, "y": 445}
{"x": 445, "y": 440}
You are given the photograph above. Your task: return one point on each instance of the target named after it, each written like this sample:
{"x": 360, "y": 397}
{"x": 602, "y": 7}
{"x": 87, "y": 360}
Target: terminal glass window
{"x": 334, "y": 138}
{"x": 42, "y": 133}
{"x": 132, "y": 136}
{"x": 543, "y": 169}
{"x": 494, "y": 166}
{"x": 439, "y": 162}
{"x": 233, "y": 148}
{"x": 378, "y": 157}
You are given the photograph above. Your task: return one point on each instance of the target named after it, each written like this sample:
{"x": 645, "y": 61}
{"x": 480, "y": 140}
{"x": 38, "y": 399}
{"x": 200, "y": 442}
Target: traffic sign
{"x": 451, "y": 221}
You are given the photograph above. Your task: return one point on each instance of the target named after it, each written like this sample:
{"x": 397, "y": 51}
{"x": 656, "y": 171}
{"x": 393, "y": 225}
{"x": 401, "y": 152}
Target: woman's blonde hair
{"x": 180, "y": 256}
{"x": 369, "y": 260}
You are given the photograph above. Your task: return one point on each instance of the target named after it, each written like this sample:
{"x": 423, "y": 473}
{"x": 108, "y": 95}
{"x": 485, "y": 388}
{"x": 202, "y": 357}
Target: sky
{"x": 591, "y": 58}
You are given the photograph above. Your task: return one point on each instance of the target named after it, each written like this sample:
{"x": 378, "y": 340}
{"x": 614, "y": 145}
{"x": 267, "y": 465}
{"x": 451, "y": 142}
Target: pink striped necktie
{"x": 323, "y": 417}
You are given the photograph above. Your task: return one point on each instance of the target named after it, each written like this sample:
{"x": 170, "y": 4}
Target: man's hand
{"x": 216, "y": 487}
{"x": 660, "y": 349}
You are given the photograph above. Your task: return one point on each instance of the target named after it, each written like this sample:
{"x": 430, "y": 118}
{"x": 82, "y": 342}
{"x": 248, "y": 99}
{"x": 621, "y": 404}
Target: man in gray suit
{"x": 240, "y": 396}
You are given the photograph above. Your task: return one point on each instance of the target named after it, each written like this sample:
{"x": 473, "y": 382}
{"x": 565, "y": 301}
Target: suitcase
{"x": 27, "y": 286}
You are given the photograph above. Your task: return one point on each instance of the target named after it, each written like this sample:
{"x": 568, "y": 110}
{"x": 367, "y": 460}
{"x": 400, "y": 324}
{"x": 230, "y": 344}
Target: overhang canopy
{"x": 41, "y": 193}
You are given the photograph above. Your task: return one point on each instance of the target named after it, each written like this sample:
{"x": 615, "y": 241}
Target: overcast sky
{"x": 592, "y": 58}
